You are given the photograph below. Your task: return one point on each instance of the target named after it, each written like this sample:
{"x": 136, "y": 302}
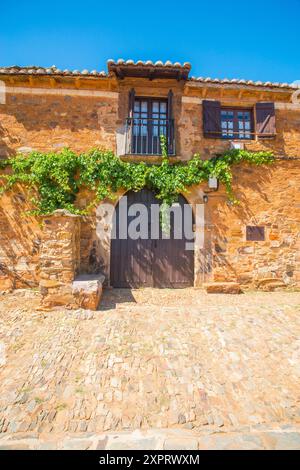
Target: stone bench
{"x": 222, "y": 288}
{"x": 87, "y": 290}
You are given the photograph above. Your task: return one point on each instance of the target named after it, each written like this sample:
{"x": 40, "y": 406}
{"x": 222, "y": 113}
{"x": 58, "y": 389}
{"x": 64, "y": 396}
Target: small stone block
{"x": 87, "y": 290}
{"x": 181, "y": 444}
{"x": 222, "y": 288}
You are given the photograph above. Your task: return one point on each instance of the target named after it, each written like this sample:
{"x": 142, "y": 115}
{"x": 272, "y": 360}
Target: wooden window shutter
{"x": 170, "y": 126}
{"x": 211, "y": 119}
{"x": 131, "y": 102}
{"x": 170, "y": 104}
{"x": 265, "y": 119}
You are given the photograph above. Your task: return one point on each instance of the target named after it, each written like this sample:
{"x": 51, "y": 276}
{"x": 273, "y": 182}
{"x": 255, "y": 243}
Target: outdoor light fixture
{"x": 237, "y": 145}
{"x": 213, "y": 183}
{"x": 205, "y": 198}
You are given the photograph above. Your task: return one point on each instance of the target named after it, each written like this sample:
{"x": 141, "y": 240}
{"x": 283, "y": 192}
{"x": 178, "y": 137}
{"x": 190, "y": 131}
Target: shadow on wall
{"x": 20, "y": 240}
{"x": 91, "y": 260}
{"x": 5, "y": 149}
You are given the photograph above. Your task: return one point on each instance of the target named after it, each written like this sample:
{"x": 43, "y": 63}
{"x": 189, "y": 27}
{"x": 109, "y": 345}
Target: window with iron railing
{"x": 149, "y": 121}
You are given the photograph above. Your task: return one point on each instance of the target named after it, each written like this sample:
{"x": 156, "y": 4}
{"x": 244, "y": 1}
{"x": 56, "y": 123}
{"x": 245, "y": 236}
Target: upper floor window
{"x": 220, "y": 122}
{"x": 149, "y": 119}
{"x": 236, "y": 123}
{"x": 148, "y": 124}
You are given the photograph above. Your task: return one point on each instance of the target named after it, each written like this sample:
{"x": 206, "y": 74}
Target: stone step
{"x": 87, "y": 290}
{"x": 277, "y": 438}
{"x": 270, "y": 284}
{"x": 222, "y": 288}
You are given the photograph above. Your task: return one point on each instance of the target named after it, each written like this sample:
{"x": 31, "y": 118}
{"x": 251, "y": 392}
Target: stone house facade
{"x": 255, "y": 244}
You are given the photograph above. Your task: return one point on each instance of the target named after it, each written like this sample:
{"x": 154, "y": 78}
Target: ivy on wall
{"x": 58, "y": 177}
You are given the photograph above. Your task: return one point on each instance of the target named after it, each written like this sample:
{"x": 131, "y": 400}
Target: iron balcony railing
{"x": 143, "y": 136}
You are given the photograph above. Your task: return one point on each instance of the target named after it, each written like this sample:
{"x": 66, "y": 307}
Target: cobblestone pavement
{"x": 150, "y": 359}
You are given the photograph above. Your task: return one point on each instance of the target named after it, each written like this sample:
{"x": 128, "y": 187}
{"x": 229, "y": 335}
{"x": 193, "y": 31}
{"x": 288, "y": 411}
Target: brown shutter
{"x": 131, "y": 102}
{"x": 265, "y": 119}
{"x": 170, "y": 123}
{"x": 170, "y": 104}
{"x": 211, "y": 118}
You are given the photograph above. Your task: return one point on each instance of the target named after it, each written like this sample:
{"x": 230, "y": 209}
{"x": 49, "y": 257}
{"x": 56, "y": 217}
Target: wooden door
{"x": 173, "y": 263}
{"x": 147, "y": 262}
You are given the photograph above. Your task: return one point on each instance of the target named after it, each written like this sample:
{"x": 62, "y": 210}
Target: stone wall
{"x": 51, "y": 118}
{"x": 20, "y": 240}
{"x": 190, "y": 129}
{"x": 48, "y": 119}
{"x": 51, "y": 122}
{"x": 59, "y": 258}
{"x": 187, "y": 112}
{"x": 269, "y": 197}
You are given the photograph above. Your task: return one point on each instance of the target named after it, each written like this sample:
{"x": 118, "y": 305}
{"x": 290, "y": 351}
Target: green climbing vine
{"x": 57, "y": 177}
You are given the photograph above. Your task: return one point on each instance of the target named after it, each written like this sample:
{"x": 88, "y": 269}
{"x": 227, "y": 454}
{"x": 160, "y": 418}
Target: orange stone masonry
{"x": 59, "y": 258}
{"x": 48, "y": 113}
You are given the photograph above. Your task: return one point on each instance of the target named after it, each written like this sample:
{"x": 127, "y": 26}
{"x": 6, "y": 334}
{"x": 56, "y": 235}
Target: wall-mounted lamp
{"x": 237, "y": 145}
{"x": 213, "y": 183}
{"x": 205, "y": 198}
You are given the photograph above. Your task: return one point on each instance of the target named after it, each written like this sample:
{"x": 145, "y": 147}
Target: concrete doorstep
{"x": 282, "y": 438}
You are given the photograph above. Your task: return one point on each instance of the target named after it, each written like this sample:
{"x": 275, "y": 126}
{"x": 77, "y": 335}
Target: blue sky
{"x": 256, "y": 40}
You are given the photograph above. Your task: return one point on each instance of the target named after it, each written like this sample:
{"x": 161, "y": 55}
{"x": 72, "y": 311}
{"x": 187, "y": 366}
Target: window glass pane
{"x": 144, "y": 130}
{"x": 163, "y": 107}
{"x": 144, "y": 106}
{"x": 241, "y": 122}
{"x": 135, "y": 131}
{"x": 163, "y": 130}
{"x": 227, "y": 123}
{"x": 228, "y": 114}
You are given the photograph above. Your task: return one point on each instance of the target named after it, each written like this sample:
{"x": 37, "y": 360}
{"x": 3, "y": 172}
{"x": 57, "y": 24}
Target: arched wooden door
{"x": 148, "y": 262}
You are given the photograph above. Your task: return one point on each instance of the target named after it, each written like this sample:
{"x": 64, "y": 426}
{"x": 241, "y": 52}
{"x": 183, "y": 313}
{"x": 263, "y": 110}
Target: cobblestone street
{"x": 150, "y": 359}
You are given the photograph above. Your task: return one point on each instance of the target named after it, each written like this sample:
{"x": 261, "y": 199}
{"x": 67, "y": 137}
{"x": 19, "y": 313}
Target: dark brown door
{"x": 145, "y": 262}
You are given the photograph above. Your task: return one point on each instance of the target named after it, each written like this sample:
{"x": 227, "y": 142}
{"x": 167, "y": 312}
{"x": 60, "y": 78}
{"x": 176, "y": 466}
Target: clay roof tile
{"x": 37, "y": 70}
